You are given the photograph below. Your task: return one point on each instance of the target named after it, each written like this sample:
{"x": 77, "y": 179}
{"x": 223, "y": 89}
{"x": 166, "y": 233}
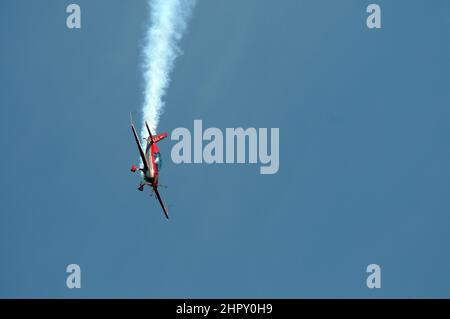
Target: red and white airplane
{"x": 151, "y": 161}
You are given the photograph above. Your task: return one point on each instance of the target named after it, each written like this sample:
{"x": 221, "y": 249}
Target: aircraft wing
{"x": 161, "y": 202}
{"x": 149, "y": 133}
{"x": 141, "y": 151}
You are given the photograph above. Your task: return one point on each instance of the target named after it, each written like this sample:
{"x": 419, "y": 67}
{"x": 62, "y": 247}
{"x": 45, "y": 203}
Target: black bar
{"x": 227, "y": 308}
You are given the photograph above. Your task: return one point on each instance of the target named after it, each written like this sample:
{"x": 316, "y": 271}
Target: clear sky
{"x": 364, "y": 118}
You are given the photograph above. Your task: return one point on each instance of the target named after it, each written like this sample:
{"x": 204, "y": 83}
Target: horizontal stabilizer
{"x": 159, "y": 137}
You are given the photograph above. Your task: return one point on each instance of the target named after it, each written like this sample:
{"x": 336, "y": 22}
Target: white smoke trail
{"x": 168, "y": 24}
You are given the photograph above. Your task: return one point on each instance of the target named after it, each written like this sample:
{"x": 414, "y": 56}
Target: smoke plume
{"x": 167, "y": 26}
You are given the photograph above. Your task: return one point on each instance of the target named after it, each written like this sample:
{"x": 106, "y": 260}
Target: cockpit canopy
{"x": 158, "y": 160}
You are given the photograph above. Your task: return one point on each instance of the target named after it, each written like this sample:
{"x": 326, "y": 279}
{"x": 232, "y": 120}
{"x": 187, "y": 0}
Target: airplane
{"x": 151, "y": 162}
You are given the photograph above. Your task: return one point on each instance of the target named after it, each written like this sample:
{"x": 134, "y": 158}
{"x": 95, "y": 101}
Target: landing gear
{"x": 141, "y": 188}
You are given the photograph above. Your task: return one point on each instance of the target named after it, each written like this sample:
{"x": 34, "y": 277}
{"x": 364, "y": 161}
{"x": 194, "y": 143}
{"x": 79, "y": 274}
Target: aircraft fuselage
{"x": 153, "y": 159}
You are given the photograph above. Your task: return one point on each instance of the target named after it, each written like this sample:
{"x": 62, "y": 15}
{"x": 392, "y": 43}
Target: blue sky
{"x": 364, "y": 175}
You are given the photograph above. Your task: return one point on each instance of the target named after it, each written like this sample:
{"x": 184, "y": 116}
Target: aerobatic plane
{"x": 151, "y": 162}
